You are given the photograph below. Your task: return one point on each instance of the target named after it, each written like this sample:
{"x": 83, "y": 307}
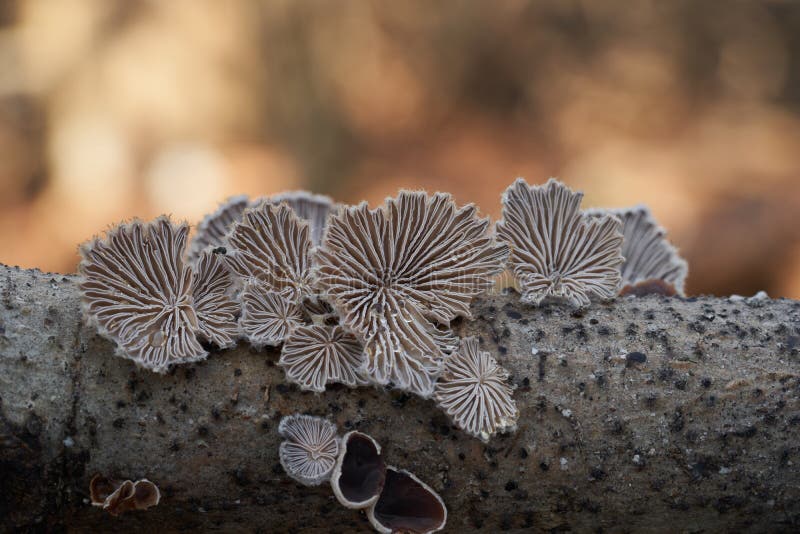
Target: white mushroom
{"x": 556, "y": 250}
{"x": 310, "y": 450}
{"x": 317, "y": 355}
{"x": 267, "y": 317}
{"x": 394, "y": 272}
{"x": 212, "y": 231}
{"x": 473, "y": 390}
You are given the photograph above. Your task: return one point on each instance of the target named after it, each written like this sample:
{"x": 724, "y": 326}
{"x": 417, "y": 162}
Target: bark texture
{"x": 640, "y": 415}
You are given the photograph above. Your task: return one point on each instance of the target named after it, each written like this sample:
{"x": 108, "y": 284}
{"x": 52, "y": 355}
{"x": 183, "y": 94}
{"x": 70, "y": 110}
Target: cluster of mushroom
{"x": 365, "y": 296}
{"x": 394, "y": 499}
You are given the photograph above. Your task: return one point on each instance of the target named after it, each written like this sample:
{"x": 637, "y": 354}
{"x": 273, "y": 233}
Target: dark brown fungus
{"x": 360, "y": 472}
{"x": 119, "y": 496}
{"x": 407, "y": 504}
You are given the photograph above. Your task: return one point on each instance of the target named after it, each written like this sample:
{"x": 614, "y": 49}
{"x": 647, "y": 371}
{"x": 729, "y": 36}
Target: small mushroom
{"x": 652, "y": 264}
{"x": 267, "y": 318}
{"x": 317, "y": 355}
{"x": 138, "y": 292}
{"x": 407, "y": 504}
{"x": 212, "y": 231}
{"x": 556, "y": 250}
{"x": 312, "y": 208}
{"x": 310, "y": 450}
{"x": 119, "y": 496}
{"x": 394, "y": 272}
{"x": 359, "y": 475}
{"x": 473, "y": 390}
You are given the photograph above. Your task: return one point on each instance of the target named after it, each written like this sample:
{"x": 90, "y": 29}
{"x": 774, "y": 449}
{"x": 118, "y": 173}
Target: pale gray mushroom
{"x": 271, "y": 246}
{"x": 556, "y": 250}
{"x": 474, "y": 391}
{"x": 316, "y": 355}
{"x": 649, "y": 256}
{"x": 407, "y": 504}
{"x": 267, "y": 317}
{"x": 393, "y": 272}
{"x": 213, "y": 229}
{"x": 312, "y": 208}
{"x": 138, "y": 292}
{"x": 360, "y": 472}
{"x": 309, "y": 453}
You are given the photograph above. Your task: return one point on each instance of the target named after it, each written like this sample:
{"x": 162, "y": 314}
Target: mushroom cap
{"x": 137, "y": 291}
{"x": 309, "y": 453}
{"x": 267, "y": 317}
{"x": 217, "y": 311}
{"x": 310, "y": 207}
{"x": 395, "y": 271}
{"x": 359, "y": 474}
{"x": 407, "y": 504}
{"x": 316, "y": 355}
{"x": 649, "y": 256}
{"x": 119, "y": 496}
{"x": 271, "y": 246}
{"x": 473, "y": 390}
{"x": 556, "y": 250}
{"x": 212, "y": 231}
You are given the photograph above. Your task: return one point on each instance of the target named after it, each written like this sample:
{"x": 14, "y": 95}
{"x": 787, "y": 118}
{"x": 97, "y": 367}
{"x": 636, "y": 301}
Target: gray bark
{"x": 640, "y": 415}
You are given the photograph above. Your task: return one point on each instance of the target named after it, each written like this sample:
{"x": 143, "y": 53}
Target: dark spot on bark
{"x": 511, "y": 485}
{"x": 283, "y": 389}
{"x": 746, "y": 432}
{"x": 174, "y": 446}
{"x": 362, "y": 403}
{"x": 237, "y": 372}
{"x": 631, "y": 330}
{"x": 595, "y": 473}
{"x": 705, "y": 382}
{"x": 651, "y": 400}
{"x": 677, "y": 423}
{"x": 240, "y": 477}
{"x": 215, "y": 412}
{"x": 634, "y": 358}
{"x": 544, "y": 466}
{"x": 400, "y": 400}
{"x": 541, "y": 365}
{"x": 698, "y": 327}
{"x": 711, "y": 401}
{"x": 523, "y": 453}
{"x": 265, "y": 425}
{"x": 120, "y": 404}
{"x": 183, "y": 407}
{"x": 728, "y": 502}
{"x": 502, "y": 350}
{"x": 118, "y": 423}
{"x": 277, "y": 469}
{"x": 202, "y": 431}
{"x": 160, "y": 418}
{"x": 521, "y": 495}
{"x": 680, "y": 384}
{"x": 593, "y": 321}
{"x": 462, "y": 456}
{"x": 513, "y": 314}
{"x": 604, "y": 331}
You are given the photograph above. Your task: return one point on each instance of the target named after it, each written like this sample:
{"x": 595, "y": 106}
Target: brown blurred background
{"x": 115, "y": 109}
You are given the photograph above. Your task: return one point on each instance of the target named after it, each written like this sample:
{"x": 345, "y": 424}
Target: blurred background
{"x": 132, "y": 108}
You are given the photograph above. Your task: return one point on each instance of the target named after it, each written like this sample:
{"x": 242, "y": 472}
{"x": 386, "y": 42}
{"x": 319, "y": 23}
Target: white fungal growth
{"x": 392, "y": 272}
{"x": 557, "y": 251}
{"x": 317, "y": 355}
{"x": 310, "y": 450}
{"x": 138, "y": 292}
{"x": 474, "y": 392}
{"x": 313, "y": 209}
{"x": 214, "y": 228}
{"x": 271, "y": 245}
{"x": 216, "y": 311}
{"x": 267, "y": 318}
{"x": 647, "y": 252}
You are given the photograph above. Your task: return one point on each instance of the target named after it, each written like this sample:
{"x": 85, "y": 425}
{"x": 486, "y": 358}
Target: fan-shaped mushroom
{"x": 310, "y": 450}
{"x": 359, "y": 474}
{"x": 556, "y": 250}
{"x": 137, "y": 291}
{"x": 316, "y": 355}
{"x": 474, "y": 391}
{"x": 267, "y": 318}
{"x": 212, "y": 231}
{"x": 407, "y": 504}
{"x": 395, "y": 271}
{"x": 119, "y": 496}
{"x": 312, "y": 208}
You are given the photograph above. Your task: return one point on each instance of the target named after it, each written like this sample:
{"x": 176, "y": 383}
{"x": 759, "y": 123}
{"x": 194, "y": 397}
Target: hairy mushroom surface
{"x": 316, "y": 355}
{"x": 556, "y": 250}
{"x": 213, "y": 230}
{"x": 309, "y": 453}
{"x": 407, "y": 504}
{"x": 267, "y": 318}
{"x": 138, "y": 292}
{"x": 473, "y": 390}
{"x": 394, "y": 272}
{"x": 360, "y": 472}
{"x": 649, "y": 256}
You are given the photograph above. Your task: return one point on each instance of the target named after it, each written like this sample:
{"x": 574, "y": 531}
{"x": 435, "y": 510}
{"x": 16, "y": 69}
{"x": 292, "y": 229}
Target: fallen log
{"x": 644, "y": 414}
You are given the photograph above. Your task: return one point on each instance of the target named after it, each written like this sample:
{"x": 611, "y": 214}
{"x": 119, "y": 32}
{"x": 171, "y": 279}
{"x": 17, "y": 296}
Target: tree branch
{"x": 644, "y": 414}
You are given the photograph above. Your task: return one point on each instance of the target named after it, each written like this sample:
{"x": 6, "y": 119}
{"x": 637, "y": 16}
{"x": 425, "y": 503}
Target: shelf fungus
{"x": 394, "y": 272}
{"x": 407, "y": 504}
{"x": 473, "y": 390}
{"x": 137, "y": 291}
{"x": 212, "y": 231}
{"x": 557, "y": 250}
{"x": 652, "y": 263}
{"x": 310, "y": 450}
{"x": 316, "y": 355}
{"x": 360, "y": 472}
{"x": 120, "y": 496}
